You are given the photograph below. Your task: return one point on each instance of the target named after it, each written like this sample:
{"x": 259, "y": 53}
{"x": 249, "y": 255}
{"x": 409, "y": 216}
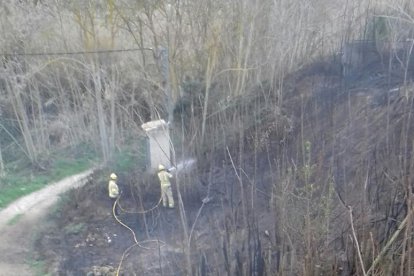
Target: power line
{"x": 76, "y": 53}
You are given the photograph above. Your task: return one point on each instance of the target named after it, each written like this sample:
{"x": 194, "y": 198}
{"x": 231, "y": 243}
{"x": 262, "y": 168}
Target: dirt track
{"x": 16, "y": 239}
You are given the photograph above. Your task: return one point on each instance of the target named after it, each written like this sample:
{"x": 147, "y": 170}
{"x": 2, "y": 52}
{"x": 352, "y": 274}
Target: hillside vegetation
{"x": 94, "y": 71}
{"x": 299, "y": 114}
{"x": 299, "y": 194}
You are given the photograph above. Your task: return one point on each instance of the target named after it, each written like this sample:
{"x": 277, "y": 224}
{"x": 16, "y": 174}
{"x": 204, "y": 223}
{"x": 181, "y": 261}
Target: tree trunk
{"x": 211, "y": 62}
{"x": 113, "y": 115}
{"x": 2, "y": 168}
{"x": 103, "y": 136}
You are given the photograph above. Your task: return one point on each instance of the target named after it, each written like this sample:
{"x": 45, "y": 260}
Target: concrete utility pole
{"x": 159, "y": 144}
{"x": 164, "y": 62}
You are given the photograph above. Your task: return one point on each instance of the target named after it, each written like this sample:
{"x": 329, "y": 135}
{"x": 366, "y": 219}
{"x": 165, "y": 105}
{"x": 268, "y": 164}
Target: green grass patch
{"x": 131, "y": 157}
{"x": 38, "y": 267}
{"x": 74, "y": 228}
{"x": 22, "y": 180}
{"x": 14, "y": 186}
{"x": 124, "y": 161}
{"x": 66, "y": 167}
{"x": 15, "y": 219}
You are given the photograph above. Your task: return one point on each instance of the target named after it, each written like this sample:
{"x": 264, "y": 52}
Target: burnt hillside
{"x": 286, "y": 185}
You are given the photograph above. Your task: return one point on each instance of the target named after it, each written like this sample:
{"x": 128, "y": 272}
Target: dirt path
{"x": 16, "y": 239}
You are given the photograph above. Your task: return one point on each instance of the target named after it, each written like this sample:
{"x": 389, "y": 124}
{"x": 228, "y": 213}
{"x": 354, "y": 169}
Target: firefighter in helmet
{"x": 113, "y": 190}
{"x": 166, "y": 192}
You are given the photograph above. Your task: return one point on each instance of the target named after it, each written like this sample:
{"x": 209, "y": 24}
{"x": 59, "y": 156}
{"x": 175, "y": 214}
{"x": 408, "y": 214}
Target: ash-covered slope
{"x": 273, "y": 190}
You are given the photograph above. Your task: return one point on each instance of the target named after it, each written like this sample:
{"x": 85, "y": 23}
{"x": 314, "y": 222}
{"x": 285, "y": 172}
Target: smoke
{"x": 183, "y": 166}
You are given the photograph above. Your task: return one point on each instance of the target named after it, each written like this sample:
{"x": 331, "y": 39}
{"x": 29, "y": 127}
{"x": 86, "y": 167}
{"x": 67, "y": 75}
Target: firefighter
{"x": 113, "y": 190}
{"x": 166, "y": 192}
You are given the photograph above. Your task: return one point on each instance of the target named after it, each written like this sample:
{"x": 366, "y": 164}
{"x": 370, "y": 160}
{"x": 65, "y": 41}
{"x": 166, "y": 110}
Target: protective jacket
{"x": 164, "y": 177}
{"x": 113, "y": 189}
{"x": 166, "y": 192}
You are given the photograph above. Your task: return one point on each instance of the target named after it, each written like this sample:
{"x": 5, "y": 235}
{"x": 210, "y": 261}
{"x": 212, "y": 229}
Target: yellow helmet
{"x": 113, "y": 176}
{"x": 161, "y": 167}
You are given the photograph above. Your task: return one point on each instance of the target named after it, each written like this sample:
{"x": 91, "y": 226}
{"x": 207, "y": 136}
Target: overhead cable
{"x": 76, "y": 52}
